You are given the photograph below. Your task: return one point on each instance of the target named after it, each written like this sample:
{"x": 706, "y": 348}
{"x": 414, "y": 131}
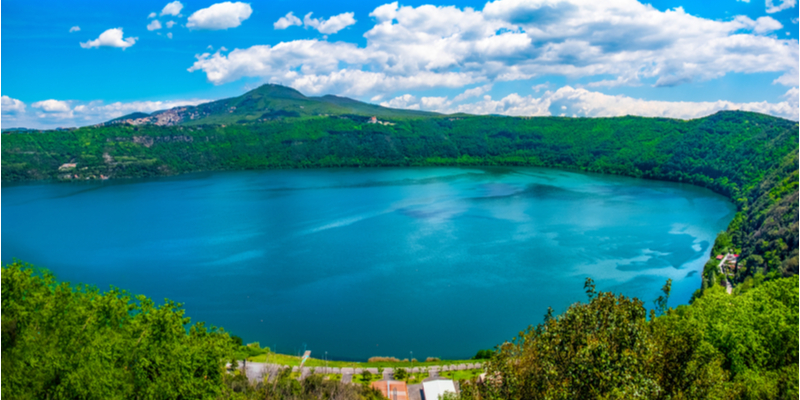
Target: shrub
{"x": 382, "y": 359}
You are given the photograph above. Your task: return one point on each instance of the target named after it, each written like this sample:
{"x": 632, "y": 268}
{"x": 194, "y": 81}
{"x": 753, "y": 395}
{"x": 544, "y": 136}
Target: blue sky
{"x": 81, "y": 62}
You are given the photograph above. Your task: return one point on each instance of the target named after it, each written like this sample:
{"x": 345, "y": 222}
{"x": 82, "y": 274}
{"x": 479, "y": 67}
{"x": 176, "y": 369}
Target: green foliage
{"x": 284, "y": 386}
{"x": 400, "y": 374}
{"x": 721, "y": 347}
{"x": 60, "y": 341}
{"x": 366, "y": 376}
{"x": 483, "y": 354}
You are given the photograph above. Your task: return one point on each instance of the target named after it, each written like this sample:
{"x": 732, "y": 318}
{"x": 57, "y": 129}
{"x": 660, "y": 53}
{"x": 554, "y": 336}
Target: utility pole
{"x": 326, "y": 362}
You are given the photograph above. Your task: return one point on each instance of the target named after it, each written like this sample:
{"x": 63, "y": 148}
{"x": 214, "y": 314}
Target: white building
{"x": 435, "y": 389}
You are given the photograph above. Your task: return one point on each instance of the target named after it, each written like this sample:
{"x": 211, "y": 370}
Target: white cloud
{"x": 154, "y": 25}
{"x": 785, "y": 4}
{"x": 10, "y": 106}
{"x": 170, "y": 24}
{"x": 287, "y": 21}
{"x": 542, "y": 86}
{"x": 173, "y": 9}
{"x": 169, "y": 35}
{"x": 584, "y": 103}
{"x": 110, "y": 38}
{"x": 59, "y": 113}
{"x": 74, "y": 29}
{"x": 766, "y": 25}
{"x": 220, "y": 16}
{"x": 331, "y": 25}
{"x": 474, "y": 92}
{"x": 52, "y": 106}
{"x": 406, "y": 101}
{"x": 623, "y": 43}
{"x": 630, "y": 80}
{"x": 152, "y": 15}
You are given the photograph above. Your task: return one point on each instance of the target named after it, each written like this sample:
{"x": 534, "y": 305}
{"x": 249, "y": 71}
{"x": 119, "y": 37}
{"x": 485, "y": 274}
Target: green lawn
{"x": 461, "y": 375}
{"x": 333, "y": 377}
{"x": 416, "y": 378}
{"x": 358, "y": 378}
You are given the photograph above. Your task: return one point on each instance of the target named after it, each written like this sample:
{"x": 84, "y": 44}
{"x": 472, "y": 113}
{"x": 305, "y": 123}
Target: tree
{"x": 366, "y": 377}
{"x": 75, "y": 342}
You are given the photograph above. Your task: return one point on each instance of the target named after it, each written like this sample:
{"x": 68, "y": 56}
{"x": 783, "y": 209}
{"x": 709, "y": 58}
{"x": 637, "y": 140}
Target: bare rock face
{"x": 170, "y": 117}
{"x": 147, "y": 141}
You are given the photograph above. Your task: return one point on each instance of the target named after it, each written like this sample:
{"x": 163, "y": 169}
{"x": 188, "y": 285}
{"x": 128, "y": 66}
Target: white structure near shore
{"x": 435, "y": 389}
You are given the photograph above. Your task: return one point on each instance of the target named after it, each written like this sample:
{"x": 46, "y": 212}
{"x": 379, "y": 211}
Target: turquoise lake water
{"x": 370, "y": 262}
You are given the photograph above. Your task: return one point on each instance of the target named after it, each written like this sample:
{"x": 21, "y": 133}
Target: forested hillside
{"x": 749, "y": 157}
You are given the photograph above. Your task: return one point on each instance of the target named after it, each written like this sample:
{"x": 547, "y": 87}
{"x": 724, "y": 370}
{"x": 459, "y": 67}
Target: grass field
{"x": 358, "y": 378}
{"x": 461, "y": 375}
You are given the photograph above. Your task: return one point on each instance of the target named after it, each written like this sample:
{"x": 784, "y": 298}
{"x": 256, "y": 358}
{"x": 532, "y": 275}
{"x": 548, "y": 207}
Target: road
{"x": 728, "y": 286}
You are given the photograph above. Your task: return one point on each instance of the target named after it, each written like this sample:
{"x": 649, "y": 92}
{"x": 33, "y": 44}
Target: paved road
{"x": 728, "y": 286}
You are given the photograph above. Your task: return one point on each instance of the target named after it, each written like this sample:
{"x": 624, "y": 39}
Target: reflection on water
{"x": 360, "y": 263}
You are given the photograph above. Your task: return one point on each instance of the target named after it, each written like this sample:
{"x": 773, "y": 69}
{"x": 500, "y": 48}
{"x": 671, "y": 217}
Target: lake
{"x": 370, "y": 262}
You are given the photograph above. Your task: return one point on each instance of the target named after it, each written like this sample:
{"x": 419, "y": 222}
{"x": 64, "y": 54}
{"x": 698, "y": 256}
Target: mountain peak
{"x": 270, "y": 90}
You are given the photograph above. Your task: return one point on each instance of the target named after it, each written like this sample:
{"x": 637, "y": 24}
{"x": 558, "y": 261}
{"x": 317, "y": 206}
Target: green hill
{"x": 266, "y": 103}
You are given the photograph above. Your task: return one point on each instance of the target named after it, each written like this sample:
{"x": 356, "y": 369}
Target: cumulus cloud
{"x": 784, "y": 4}
{"x": 74, "y": 29}
{"x": 331, "y": 25}
{"x": 51, "y": 105}
{"x": 10, "y": 106}
{"x": 474, "y": 92}
{"x": 761, "y": 25}
{"x": 406, "y": 101}
{"x": 154, "y": 25}
{"x": 152, "y": 15}
{"x": 287, "y": 21}
{"x": 220, "y": 16}
{"x": 111, "y": 38}
{"x": 448, "y": 47}
{"x": 542, "y": 86}
{"x": 53, "y": 109}
{"x": 569, "y": 101}
{"x": 173, "y": 9}
{"x": 169, "y": 35}
{"x": 170, "y": 24}
{"x": 60, "y": 113}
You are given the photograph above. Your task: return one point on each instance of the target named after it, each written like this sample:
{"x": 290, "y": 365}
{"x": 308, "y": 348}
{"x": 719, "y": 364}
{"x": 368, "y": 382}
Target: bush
{"x": 483, "y": 354}
{"x": 382, "y": 359}
{"x": 432, "y": 359}
{"x": 366, "y": 376}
